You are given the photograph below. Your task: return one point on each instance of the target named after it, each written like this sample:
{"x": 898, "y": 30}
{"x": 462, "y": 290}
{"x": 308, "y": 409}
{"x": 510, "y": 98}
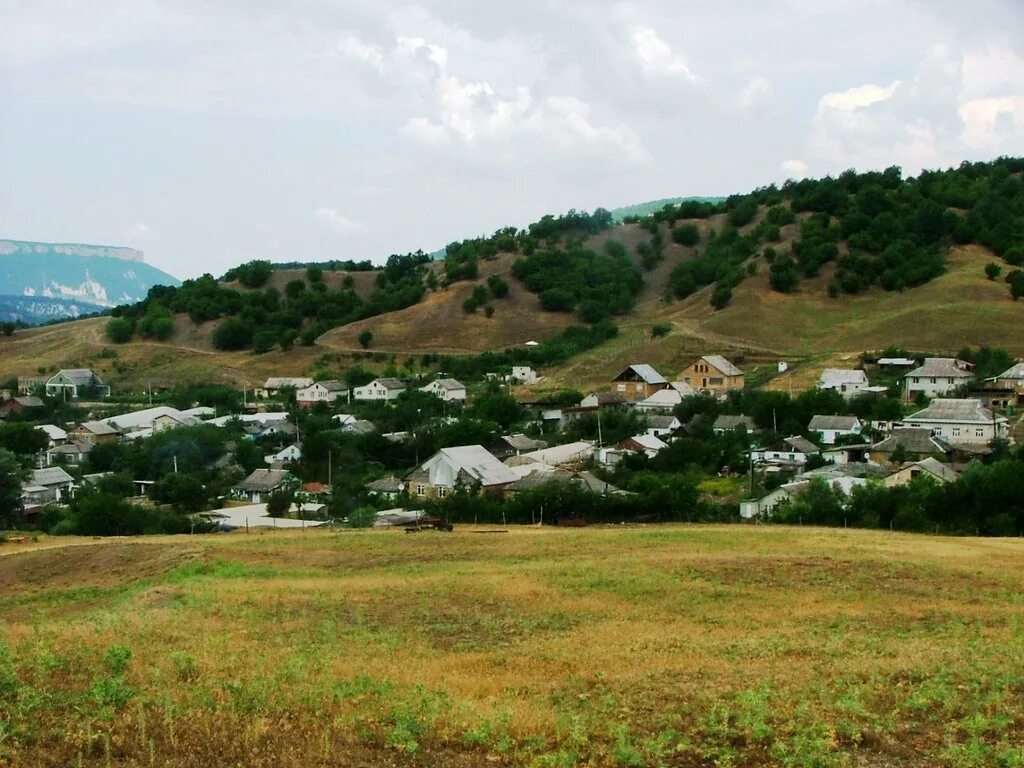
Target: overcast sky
{"x": 211, "y": 132}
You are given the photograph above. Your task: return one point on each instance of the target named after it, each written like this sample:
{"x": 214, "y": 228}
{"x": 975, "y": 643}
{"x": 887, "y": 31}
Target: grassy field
{"x": 674, "y": 646}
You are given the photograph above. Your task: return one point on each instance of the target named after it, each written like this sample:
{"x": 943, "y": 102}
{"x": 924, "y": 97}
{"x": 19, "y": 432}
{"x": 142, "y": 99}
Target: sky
{"x": 211, "y": 132}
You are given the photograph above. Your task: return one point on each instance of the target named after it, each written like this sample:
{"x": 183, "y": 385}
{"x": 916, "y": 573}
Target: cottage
{"x": 960, "y": 421}
{"x": 464, "y": 465}
{"x": 931, "y": 468}
{"x": 713, "y": 374}
{"x": 524, "y": 374}
{"x": 389, "y": 488}
{"x": 258, "y": 486}
{"x": 515, "y": 445}
{"x": 730, "y": 423}
{"x": 54, "y": 434}
{"x": 329, "y": 391}
{"x": 912, "y": 442}
{"x": 649, "y": 445}
{"x": 287, "y": 455}
{"x": 72, "y": 452}
{"x": 276, "y": 385}
{"x": 665, "y": 400}
{"x": 94, "y": 433}
{"x": 938, "y": 376}
{"x": 74, "y": 383}
{"x": 359, "y": 427}
{"x": 380, "y": 389}
{"x": 20, "y": 404}
{"x": 1011, "y": 381}
{"x": 449, "y": 390}
{"x": 791, "y": 450}
{"x": 638, "y": 382}
{"x": 660, "y": 425}
{"x": 832, "y": 428}
{"x": 151, "y": 420}
{"x": 47, "y": 486}
{"x": 846, "y": 381}
{"x": 840, "y": 478}
{"x": 602, "y": 400}
{"x": 542, "y": 476}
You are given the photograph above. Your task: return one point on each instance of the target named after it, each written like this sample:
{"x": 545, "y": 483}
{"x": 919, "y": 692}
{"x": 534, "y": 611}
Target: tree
{"x": 264, "y": 341}
{"x": 279, "y": 503}
{"x": 686, "y": 234}
{"x": 8, "y": 328}
{"x": 315, "y": 274}
{"x": 182, "y": 491}
{"x": 120, "y": 329}
{"x": 365, "y": 339}
{"x": 660, "y": 329}
{"x": 1017, "y": 285}
{"x": 11, "y": 475}
{"x": 294, "y": 288}
{"x": 992, "y": 270}
{"x": 721, "y": 296}
{"x": 22, "y": 439}
{"x": 362, "y": 517}
{"x": 233, "y": 333}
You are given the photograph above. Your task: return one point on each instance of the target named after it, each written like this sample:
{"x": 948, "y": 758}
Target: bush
{"x": 362, "y": 517}
{"x": 365, "y": 339}
{"x": 660, "y": 329}
{"x": 279, "y": 503}
{"x": 686, "y": 234}
{"x": 233, "y": 333}
{"x": 721, "y": 296}
{"x": 499, "y": 288}
{"x": 557, "y": 300}
{"x": 264, "y": 341}
{"x": 120, "y": 330}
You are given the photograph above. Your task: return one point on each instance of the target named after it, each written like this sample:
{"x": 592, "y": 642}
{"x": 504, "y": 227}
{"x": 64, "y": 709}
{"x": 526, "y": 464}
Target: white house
{"x": 666, "y": 399}
{"x": 55, "y": 434}
{"x": 155, "y": 419}
{"x": 449, "y": 390}
{"x": 289, "y": 454}
{"x": 380, "y": 389}
{"x": 729, "y": 423}
{"x": 929, "y": 467}
{"x": 959, "y": 421}
{"x": 264, "y": 482}
{"x": 848, "y": 382}
{"x": 321, "y": 392}
{"x": 48, "y": 485}
{"x": 833, "y": 427}
{"x": 73, "y": 383}
{"x": 524, "y": 374}
{"x": 660, "y": 425}
{"x": 466, "y": 465}
{"x": 792, "y": 450}
{"x": 275, "y": 384}
{"x": 649, "y": 445}
{"x": 938, "y": 376}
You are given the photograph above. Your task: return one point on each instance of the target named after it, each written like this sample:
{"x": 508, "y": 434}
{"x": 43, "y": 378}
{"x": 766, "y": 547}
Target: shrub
{"x": 234, "y": 333}
{"x": 686, "y": 234}
{"x": 120, "y": 330}
{"x": 365, "y": 339}
{"x": 660, "y": 329}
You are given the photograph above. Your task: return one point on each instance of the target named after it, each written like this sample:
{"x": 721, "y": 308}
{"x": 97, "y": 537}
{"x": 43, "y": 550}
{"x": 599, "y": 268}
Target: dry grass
{"x": 664, "y": 646}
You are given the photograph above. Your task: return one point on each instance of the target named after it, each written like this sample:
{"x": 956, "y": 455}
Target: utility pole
{"x": 175, "y": 464}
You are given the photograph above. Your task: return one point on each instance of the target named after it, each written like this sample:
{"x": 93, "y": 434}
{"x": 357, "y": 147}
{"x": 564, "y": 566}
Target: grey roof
{"x": 1013, "y": 372}
{"x": 333, "y": 385}
{"x": 729, "y": 422}
{"x": 645, "y": 372}
{"x": 70, "y": 449}
{"x": 605, "y": 398}
{"x": 900, "y": 361}
{"x": 942, "y": 471}
{"x": 584, "y": 480}
{"x": 940, "y": 367}
{"x": 391, "y": 383}
{"x": 449, "y": 384}
{"x": 521, "y": 442}
{"x": 81, "y": 377}
{"x": 834, "y": 377}
{"x": 264, "y": 480}
{"x": 360, "y": 427}
{"x": 98, "y": 428}
{"x": 29, "y": 401}
{"x": 473, "y": 463}
{"x": 802, "y": 444}
{"x": 386, "y": 485}
{"x": 279, "y": 382}
{"x": 51, "y": 476}
{"x": 850, "y": 469}
{"x": 722, "y": 365}
{"x": 913, "y": 440}
{"x": 954, "y": 409}
{"x": 658, "y": 421}
{"x": 822, "y": 423}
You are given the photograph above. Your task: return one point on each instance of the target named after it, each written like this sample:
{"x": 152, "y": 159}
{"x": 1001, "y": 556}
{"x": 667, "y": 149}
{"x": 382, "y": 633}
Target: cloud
{"x": 857, "y": 98}
{"x": 331, "y": 219}
{"x": 656, "y": 57}
{"x": 355, "y": 48}
{"x": 757, "y": 92}
{"x": 138, "y": 233}
{"x": 795, "y": 169}
{"x": 989, "y": 123}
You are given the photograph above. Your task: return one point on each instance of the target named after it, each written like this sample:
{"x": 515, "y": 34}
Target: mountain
{"x": 41, "y": 282}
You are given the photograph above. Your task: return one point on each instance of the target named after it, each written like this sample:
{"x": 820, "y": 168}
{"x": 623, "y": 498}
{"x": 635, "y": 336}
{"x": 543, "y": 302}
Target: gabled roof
{"x": 568, "y": 453}
{"x": 663, "y": 398}
{"x": 29, "y": 401}
{"x": 941, "y": 367}
{"x": 933, "y": 466}
{"x": 913, "y": 440}
{"x": 850, "y": 469}
{"x": 798, "y": 444}
{"x": 145, "y": 418}
{"x": 279, "y": 382}
{"x": 51, "y": 476}
{"x": 723, "y": 365}
{"x": 264, "y": 480}
{"x": 80, "y": 377}
{"x": 840, "y": 423}
{"x": 479, "y": 464}
{"x": 647, "y": 442}
{"x": 386, "y": 485}
{"x": 659, "y": 421}
{"x": 834, "y": 377}
{"x": 954, "y": 409}
{"x": 450, "y": 385}
{"x": 70, "y": 449}
{"x": 53, "y": 432}
{"x": 98, "y": 428}
{"x": 1013, "y": 372}
{"x": 604, "y": 398}
{"x": 897, "y": 361}
{"x": 728, "y": 422}
{"x": 389, "y": 383}
{"x": 584, "y": 480}
{"x": 359, "y": 426}
{"x": 642, "y": 371}
{"x": 521, "y": 442}
{"x": 333, "y": 385}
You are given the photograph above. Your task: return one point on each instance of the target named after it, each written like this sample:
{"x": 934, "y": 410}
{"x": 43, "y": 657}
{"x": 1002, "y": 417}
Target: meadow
{"x": 619, "y": 646}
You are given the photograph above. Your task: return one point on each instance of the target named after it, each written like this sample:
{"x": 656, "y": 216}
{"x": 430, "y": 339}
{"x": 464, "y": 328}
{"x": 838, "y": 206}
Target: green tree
{"x": 120, "y": 329}
{"x": 315, "y": 274}
{"x": 660, "y": 329}
{"x": 233, "y": 333}
{"x": 11, "y": 475}
{"x": 279, "y": 503}
{"x": 686, "y": 234}
{"x": 294, "y": 288}
{"x": 362, "y": 517}
{"x": 182, "y": 491}
{"x": 8, "y": 328}
{"x": 365, "y": 339}
{"x": 22, "y": 439}
{"x": 992, "y": 270}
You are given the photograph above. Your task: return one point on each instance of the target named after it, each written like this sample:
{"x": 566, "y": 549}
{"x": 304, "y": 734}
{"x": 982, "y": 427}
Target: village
{"x": 392, "y": 452}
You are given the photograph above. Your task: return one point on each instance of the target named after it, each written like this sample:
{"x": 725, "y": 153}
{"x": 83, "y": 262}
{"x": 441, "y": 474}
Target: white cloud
{"x": 988, "y": 123}
{"x": 857, "y": 98}
{"x": 757, "y": 92}
{"x": 331, "y": 219}
{"x": 352, "y": 46}
{"x": 795, "y": 169}
{"x": 138, "y": 233}
{"x": 656, "y": 57}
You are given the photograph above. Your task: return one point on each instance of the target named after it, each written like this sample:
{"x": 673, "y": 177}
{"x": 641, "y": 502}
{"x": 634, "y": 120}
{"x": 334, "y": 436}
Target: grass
{"x": 698, "y": 645}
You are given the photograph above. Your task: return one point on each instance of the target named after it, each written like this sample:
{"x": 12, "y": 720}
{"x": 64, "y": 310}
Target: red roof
{"x": 315, "y": 488}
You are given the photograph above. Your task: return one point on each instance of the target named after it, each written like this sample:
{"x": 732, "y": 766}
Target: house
{"x": 729, "y": 423}
{"x": 913, "y": 442}
{"x": 71, "y": 452}
{"x": 555, "y": 456}
{"x": 930, "y": 467}
{"x": 846, "y": 381}
{"x": 359, "y": 427}
{"x": 524, "y": 374}
{"x": 638, "y": 382}
{"x": 31, "y": 385}
{"x": 47, "y": 486}
{"x": 380, "y": 389}
{"x": 584, "y": 480}
{"x": 649, "y": 445}
{"x": 832, "y": 427}
{"x": 55, "y": 434}
{"x": 94, "y": 433}
{"x": 262, "y": 483}
{"x": 286, "y": 455}
{"x": 602, "y": 400}
{"x": 938, "y": 376}
{"x": 150, "y": 419}
{"x": 464, "y": 465}
{"x": 389, "y": 488}
{"x": 664, "y": 400}
{"x": 74, "y": 383}
{"x": 840, "y": 478}
{"x": 313, "y": 493}
{"x": 791, "y": 450}
{"x": 329, "y": 391}
{"x": 275, "y": 385}
{"x": 713, "y": 374}
{"x": 959, "y": 421}
{"x": 261, "y": 420}
{"x": 20, "y": 404}
{"x": 515, "y": 445}
{"x": 660, "y": 425}
{"x": 895, "y": 363}
{"x": 1011, "y": 382}
{"x": 449, "y": 390}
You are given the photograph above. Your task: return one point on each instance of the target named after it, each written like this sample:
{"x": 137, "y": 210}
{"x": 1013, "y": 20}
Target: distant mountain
{"x": 646, "y": 209}
{"x": 41, "y": 282}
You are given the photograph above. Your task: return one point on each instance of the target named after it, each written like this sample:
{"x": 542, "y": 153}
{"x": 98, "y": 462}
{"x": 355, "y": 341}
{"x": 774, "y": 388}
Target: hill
{"x": 614, "y": 646}
{"x": 40, "y": 282}
{"x": 646, "y": 209}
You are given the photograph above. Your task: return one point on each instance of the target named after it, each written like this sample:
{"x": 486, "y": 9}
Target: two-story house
{"x": 937, "y": 377}
{"x": 959, "y": 421}
{"x": 380, "y": 389}
{"x": 713, "y": 374}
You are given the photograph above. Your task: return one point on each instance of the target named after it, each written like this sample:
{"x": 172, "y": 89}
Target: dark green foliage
{"x": 1016, "y": 281}
{"x": 742, "y": 212}
{"x": 499, "y": 288}
{"x": 120, "y": 329}
{"x": 557, "y": 300}
{"x": 233, "y": 333}
{"x": 156, "y": 323}
{"x": 279, "y": 503}
{"x": 721, "y": 296}
{"x": 11, "y": 476}
{"x": 365, "y": 339}
{"x": 22, "y": 438}
{"x": 294, "y": 288}
{"x": 264, "y": 341}
{"x": 722, "y": 262}
{"x": 97, "y": 512}
{"x": 252, "y": 274}
{"x": 992, "y": 270}
{"x": 783, "y": 275}
{"x": 315, "y": 275}
{"x": 988, "y": 361}
{"x": 182, "y": 491}
{"x": 686, "y": 234}
{"x": 8, "y": 328}
{"x": 660, "y": 329}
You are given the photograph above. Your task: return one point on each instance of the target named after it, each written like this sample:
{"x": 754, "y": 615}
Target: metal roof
{"x": 954, "y": 409}
{"x": 51, "y": 476}
{"x": 645, "y": 372}
{"x": 822, "y": 423}
{"x": 729, "y": 422}
{"x": 913, "y": 440}
{"x": 941, "y": 367}
{"x": 264, "y": 480}
{"x": 722, "y": 365}
{"x": 833, "y": 377}
{"x": 1014, "y": 372}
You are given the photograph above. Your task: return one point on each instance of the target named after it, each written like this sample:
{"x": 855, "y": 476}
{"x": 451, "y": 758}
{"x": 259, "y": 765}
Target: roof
{"x": 840, "y": 423}
{"x": 935, "y": 467}
{"x": 644, "y": 372}
{"x": 264, "y": 480}
{"x": 801, "y": 444}
{"x": 834, "y": 377}
{"x": 521, "y": 442}
{"x": 51, "y": 476}
{"x": 98, "y": 428}
{"x": 144, "y": 419}
{"x": 333, "y": 385}
{"x": 941, "y": 367}
{"x": 70, "y": 449}
{"x": 605, "y": 398}
{"x": 557, "y": 454}
{"x": 278, "y": 382}
{"x": 359, "y": 426}
{"x": 663, "y": 398}
{"x": 907, "y": 361}
{"x": 913, "y": 440}
{"x": 477, "y": 463}
{"x": 314, "y": 488}
{"x": 53, "y": 432}
{"x": 954, "y": 409}
{"x": 850, "y": 469}
{"x": 448, "y": 384}
{"x": 386, "y": 485}
{"x": 647, "y": 442}
{"x": 29, "y": 401}
{"x": 1013, "y": 372}
{"x": 728, "y": 423}
{"x": 81, "y": 377}
{"x": 722, "y": 365}
{"x": 660, "y": 421}
{"x": 584, "y": 480}
{"x": 390, "y": 383}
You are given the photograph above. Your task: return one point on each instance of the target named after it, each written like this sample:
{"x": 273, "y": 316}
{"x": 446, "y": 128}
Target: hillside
{"x": 40, "y": 282}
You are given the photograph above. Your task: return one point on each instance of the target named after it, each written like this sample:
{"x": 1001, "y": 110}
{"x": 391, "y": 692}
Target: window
{"x": 956, "y": 431}
{"x": 979, "y": 432}
{"x": 442, "y": 491}
{"x": 933, "y": 381}
{"x": 420, "y": 490}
